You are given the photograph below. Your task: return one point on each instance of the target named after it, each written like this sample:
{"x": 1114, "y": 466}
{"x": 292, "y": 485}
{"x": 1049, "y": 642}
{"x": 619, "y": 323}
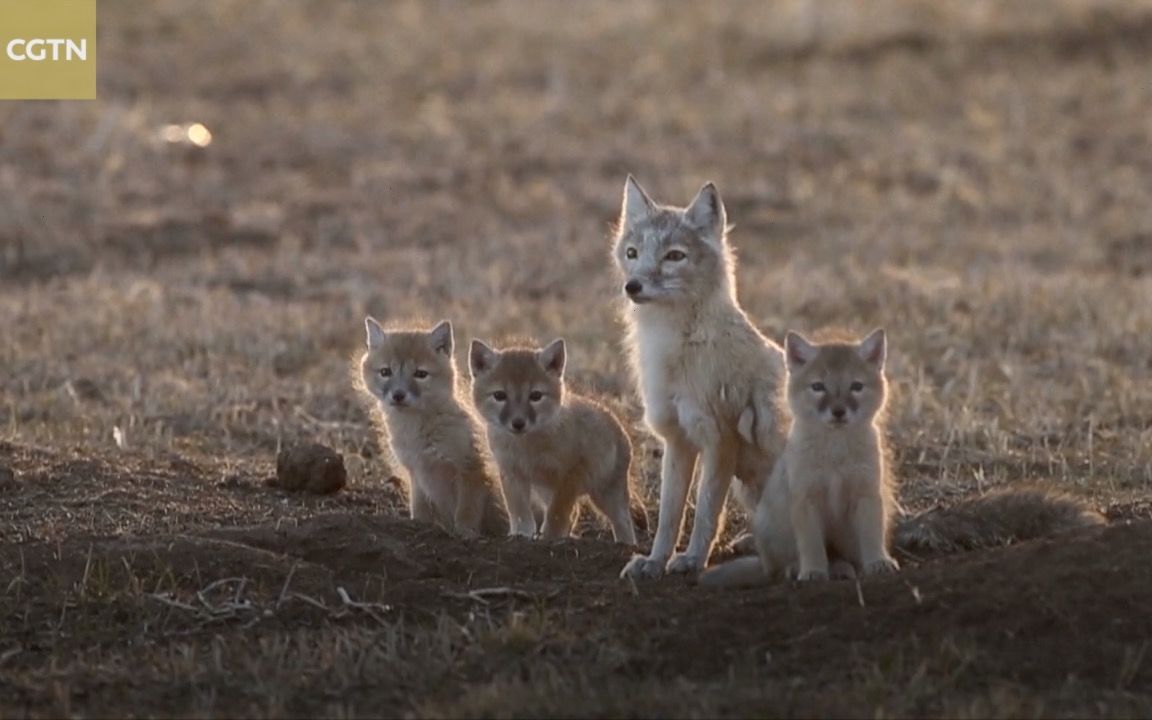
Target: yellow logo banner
{"x": 47, "y": 49}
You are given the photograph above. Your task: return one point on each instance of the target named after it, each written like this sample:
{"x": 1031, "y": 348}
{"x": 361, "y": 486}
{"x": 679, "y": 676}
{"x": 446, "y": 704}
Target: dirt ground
{"x": 334, "y": 610}
{"x": 179, "y": 302}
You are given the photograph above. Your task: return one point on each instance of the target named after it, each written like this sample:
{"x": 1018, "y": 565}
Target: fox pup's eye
{"x": 675, "y": 256}
{"x": 420, "y": 374}
{"x": 535, "y": 396}
{"x": 386, "y": 372}
{"x": 818, "y": 387}
{"x": 499, "y": 396}
{"x": 856, "y": 386}
{"x": 630, "y": 253}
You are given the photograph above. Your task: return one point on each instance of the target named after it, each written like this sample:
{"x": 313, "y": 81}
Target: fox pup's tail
{"x": 745, "y": 571}
{"x": 998, "y": 518}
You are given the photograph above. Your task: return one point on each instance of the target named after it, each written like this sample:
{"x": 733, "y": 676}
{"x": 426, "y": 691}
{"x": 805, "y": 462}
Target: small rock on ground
{"x": 312, "y": 468}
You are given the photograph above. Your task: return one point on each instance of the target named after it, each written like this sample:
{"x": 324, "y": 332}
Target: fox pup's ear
{"x": 706, "y": 213}
{"x": 481, "y": 358}
{"x": 375, "y": 332}
{"x": 874, "y": 348}
{"x": 441, "y": 338}
{"x": 637, "y": 204}
{"x": 797, "y": 350}
{"x": 552, "y": 357}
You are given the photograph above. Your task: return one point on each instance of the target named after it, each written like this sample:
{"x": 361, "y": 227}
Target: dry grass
{"x": 973, "y": 176}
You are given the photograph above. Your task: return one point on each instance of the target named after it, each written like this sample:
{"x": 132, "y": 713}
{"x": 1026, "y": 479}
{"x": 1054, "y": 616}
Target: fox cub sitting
{"x": 552, "y": 446}
{"x": 831, "y": 490}
{"x": 431, "y": 431}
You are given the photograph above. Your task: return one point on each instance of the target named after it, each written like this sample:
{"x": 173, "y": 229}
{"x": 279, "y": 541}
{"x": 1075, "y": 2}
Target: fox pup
{"x": 552, "y": 446}
{"x": 831, "y": 490}
{"x": 708, "y": 379}
{"x": 431, "y": 432}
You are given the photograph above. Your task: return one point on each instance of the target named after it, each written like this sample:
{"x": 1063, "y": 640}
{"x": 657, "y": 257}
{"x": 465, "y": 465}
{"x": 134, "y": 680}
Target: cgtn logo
{"x": 47, "y": 49}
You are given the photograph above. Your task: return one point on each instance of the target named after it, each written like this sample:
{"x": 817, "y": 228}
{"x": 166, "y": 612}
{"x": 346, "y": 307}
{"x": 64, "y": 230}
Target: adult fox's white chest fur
{"x": 708, "y": 379}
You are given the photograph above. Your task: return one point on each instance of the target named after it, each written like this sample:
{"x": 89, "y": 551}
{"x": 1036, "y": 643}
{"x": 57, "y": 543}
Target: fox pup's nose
{"x": 399, "y": 396}
{"x": 838, "y": 413}
{"x": 518, "y": 424}
{"x": 633, "y": 287}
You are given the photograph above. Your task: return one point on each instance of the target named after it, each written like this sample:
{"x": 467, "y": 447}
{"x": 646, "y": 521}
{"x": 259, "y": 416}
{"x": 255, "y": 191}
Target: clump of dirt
{"x": 312, "y": 468}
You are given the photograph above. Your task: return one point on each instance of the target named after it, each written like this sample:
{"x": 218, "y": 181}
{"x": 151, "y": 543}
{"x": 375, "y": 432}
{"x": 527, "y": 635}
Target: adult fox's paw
{"x": 685, "y": 564}
{"x": 642, "y": 567}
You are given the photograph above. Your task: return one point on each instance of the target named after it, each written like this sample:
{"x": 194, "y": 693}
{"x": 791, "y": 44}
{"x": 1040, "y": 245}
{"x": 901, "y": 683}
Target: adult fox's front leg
{"x": 718, "y": 463}
{"x": 675, "y": 479}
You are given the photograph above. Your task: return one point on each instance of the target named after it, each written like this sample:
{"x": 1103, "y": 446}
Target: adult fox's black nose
{"x": 399, "y": 396}
{"x": 518, "y": 424}
{"x": 633, "y": 287}
{"x": 838, "y": 413}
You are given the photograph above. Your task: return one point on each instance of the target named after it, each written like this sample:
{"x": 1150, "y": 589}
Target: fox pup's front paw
{"x": 642, "y": 567}
{"x": 813, "y": 576}
{"x": 685, "y": 564}
{"x": 883, "y": 566}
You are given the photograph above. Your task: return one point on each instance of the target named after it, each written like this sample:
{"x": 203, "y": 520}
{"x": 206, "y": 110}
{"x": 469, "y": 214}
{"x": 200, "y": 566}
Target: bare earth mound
{"x": 372, "y": 615}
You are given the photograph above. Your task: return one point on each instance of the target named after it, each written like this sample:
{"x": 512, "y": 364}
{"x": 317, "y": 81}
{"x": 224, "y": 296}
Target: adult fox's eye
{"x": 675, "y": 256}
{"x": 499, "y": 396}
{"x": 856, "y": 387}
{"x": 420, "y": 374}
{"x": 818, "y": 387}
{"x": 535, "y": 396}
{"x": 631, "y": 253}
{"x": 386, "y": 372}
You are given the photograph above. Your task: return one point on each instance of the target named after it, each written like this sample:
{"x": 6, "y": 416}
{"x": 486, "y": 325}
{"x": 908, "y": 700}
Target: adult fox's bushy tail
{"x": 745, "y": 571}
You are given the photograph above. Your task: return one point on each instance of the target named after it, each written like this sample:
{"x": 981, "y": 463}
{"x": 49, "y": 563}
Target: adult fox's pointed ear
{"x": 706, "y": 213}
{"x": 797, "y": 350}
{"x": 481, "y": 358}
{"x": 552, "y": 358}
{"x": 375, "y": 332}
{"x": 874, "y": 348}
{"x": 441, "y": 338}
{"x": 637, "y": 204}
